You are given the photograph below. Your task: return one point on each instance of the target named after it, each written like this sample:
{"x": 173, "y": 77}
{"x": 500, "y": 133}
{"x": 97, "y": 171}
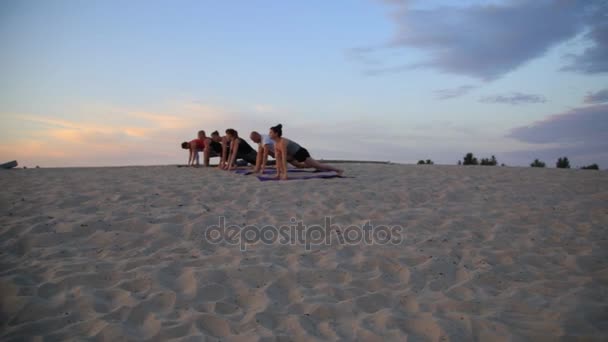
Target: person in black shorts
{"x": 285, "y": 148}
{"x": 214, "y": 148}
{"x": 239, "y": 149}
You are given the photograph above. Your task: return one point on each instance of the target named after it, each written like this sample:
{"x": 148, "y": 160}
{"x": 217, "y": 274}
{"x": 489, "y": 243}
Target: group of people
{"x": 231, "y": 148}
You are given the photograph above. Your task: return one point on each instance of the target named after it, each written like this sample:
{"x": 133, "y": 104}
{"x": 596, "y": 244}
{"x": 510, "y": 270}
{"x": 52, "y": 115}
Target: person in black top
{"x": 239, "y": 149}
{"x": 214, "y": 147}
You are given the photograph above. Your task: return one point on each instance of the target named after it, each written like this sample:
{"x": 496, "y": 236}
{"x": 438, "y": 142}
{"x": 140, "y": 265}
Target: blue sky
{"x": 120, "y": 83}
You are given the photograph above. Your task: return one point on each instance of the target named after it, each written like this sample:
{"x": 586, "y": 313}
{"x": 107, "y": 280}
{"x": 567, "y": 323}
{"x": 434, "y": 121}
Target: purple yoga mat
{"x": 307, "y": 175}
{"x": 272, "y": 171}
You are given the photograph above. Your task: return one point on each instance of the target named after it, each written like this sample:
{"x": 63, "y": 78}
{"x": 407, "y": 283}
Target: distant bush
{"x": 489, "y": 162}
{"x": 590, "y": 167}
{"x": 537, "y": 163}
{"x": 427, "y": 162}
{"x": 469, "y": 159}
{"x": 562, "y": 163}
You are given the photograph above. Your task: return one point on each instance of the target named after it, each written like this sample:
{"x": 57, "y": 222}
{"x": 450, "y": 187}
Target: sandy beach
{"x": 485, "y": 253}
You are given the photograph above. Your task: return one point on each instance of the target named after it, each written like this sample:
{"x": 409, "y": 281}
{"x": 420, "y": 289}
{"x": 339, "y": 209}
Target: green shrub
{"x": 590, "y": 167}
{"x": 562, "y": 163}
{"x": 489, "y": 162}
{"x": 469, "y": 159}
{"x": 537, "y": 163}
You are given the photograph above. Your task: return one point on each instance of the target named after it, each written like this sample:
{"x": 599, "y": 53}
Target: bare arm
{"x": 233, "y": 149}
{"x": 284, "y": 159}
{"x": 224, "y": 152}
{"x": 264, "y": 157}
{"x": 258, "y": 159}
{"x": 190, "y": 156}
{"x": 277, "y": 157}
{"x": 207, "y": 152}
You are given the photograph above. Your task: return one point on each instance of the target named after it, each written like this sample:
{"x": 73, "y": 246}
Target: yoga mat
{"x": 272, "y": 171}
{"x": 302, "y": 175}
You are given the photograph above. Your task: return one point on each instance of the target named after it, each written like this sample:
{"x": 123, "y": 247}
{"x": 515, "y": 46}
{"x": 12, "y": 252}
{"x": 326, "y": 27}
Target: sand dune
{"x": 488, "y": 253}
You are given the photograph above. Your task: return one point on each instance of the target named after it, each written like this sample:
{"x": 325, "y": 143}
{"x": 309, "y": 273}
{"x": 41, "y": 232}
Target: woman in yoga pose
{"x": 194, "y": 147}
{"x": 285, "y": 148}
{"x": 239, "y": 149}
{"x": 265, "y": 149}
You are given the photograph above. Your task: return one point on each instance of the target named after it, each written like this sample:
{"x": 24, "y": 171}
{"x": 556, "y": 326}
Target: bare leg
{"x": 299, "y": 165}
{"x": 309, "y": 162}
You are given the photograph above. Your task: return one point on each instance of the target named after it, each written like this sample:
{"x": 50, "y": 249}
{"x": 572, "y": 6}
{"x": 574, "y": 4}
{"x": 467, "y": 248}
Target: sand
{"x": 488, "y": 253}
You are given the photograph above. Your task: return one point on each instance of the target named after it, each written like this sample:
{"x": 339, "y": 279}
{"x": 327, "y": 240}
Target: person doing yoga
{"x": 239, "y": 149}
{"x": 214, "y": 147}
{"x": 194, "y": 147}
{"x": 285, "y": 148}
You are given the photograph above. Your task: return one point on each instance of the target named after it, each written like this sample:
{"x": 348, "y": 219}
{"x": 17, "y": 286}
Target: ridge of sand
{"x": 490, "y": 253}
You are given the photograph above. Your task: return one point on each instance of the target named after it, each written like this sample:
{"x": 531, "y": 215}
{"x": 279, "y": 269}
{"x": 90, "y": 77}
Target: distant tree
{"x": 427, "y": 162}
{"x": 590, "y": 167}
{"x": 469, "y": 159}
{"x": 562, "y": 163}
{"x": 421, "y": 162}
{"x": 503, "y": 164}
{"x": 491, "y": 162}
{"x": 537, "y": 163}
{"x": 459, "y": 162}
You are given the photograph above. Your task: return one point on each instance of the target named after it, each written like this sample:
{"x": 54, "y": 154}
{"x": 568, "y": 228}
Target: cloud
{"x": 580, "y": 133}
{"x": 108, "y": 136}
{"x": 594, "y": 59}
{"x": 395, "y": 2}
{"x": 79, "y": 131}
{"x": 600, "y": 96}
{"x": 580, "y": 125}
{"x": 514, "y": 99}
{"x": 444, "y": 94}
{"x": 264, "y": 108}
{"x": 111, "y": 135}
{"x": 486, "y": 41}
{"x": 362, "y": 55}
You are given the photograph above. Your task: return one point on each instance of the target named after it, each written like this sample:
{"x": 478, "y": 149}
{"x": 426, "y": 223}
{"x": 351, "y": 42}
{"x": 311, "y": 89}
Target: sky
{"x": 105, "y": 83}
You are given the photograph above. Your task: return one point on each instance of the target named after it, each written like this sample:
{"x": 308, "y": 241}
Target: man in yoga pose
{"x": 194, "y": 147}
{"x": 239, "y": 149}
{"x": 285, "y": 148}
{"x": 215, "y": 147}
